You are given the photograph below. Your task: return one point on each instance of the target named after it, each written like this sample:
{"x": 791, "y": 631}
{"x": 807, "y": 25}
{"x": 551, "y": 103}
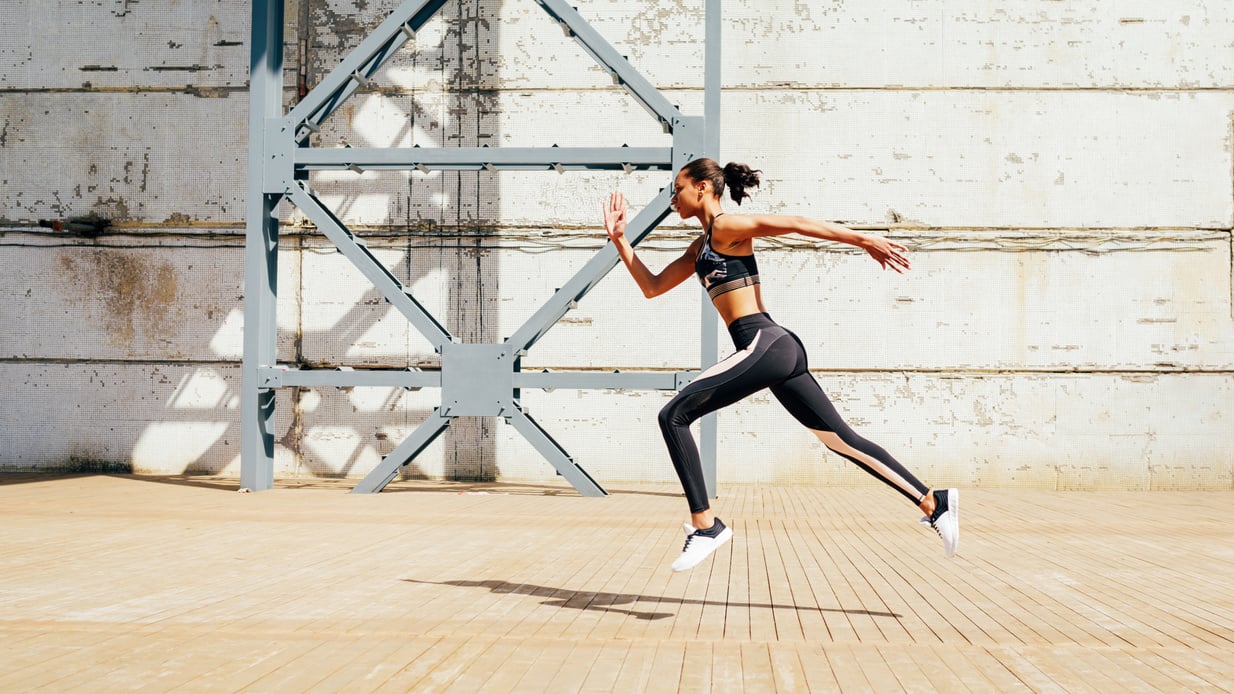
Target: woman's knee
{"x": 673, "y": 415}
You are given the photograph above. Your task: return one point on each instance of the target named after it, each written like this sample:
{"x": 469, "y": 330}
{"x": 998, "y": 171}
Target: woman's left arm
{"x": 733, "y": 229}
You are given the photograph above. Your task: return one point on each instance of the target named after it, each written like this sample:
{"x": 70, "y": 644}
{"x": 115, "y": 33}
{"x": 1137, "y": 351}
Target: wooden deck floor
{"x": 118, "y": 583}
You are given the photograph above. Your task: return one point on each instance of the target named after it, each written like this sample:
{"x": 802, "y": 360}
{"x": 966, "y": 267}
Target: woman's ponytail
{"x": 739, "y": 177}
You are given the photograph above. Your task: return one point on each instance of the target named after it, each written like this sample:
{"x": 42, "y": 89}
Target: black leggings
{"x": 769, "y": 356}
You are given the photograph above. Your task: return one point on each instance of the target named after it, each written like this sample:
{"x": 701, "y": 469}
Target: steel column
{"x": 709, "y": 348}
{"x": 260, "y": 250}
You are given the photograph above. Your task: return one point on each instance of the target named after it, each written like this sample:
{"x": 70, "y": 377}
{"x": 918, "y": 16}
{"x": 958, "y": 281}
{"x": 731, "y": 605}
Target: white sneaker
{"x": 946, "y": 519}
{"x": 698, "y": 546}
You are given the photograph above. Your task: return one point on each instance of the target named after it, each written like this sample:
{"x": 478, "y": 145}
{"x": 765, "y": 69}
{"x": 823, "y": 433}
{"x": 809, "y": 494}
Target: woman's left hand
{"x": 615, "y": 217}
{"x": 887, "y": 253}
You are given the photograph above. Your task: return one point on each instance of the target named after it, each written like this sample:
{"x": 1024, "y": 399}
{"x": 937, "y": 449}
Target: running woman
{"x": 767, "y": 356}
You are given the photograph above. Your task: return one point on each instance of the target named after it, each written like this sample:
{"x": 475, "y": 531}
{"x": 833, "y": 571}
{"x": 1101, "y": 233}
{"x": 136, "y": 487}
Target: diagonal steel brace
{"x": 388, "y": 468}
{"x": 364, "y": 60}
{"x": 622, "y": 72}
{"x": 377, "y": 273}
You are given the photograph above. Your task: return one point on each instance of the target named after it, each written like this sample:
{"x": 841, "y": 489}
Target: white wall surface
{"x": 1063, "y": 173}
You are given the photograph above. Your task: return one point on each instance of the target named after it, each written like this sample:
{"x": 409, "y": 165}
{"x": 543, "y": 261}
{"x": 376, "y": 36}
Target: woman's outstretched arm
{"x": 652, "y": 284}
{"x": 732, "y": 229}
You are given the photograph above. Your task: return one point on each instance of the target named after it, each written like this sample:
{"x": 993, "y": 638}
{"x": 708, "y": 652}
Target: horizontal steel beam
{"x": 492, "y": 158}
{"x": 596, "y": 380}
{"x": 287, "y": 377}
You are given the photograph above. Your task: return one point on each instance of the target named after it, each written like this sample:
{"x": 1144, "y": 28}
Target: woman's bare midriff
{"x": 746, "y": 301}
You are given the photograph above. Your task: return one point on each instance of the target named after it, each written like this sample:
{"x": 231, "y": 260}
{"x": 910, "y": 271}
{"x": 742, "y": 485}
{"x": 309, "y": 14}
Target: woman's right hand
{"x": 615, "y": 217}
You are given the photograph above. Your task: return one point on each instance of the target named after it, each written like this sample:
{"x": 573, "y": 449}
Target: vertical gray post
{"x": 709, "y": 335}
{"x": 260, "y": 250}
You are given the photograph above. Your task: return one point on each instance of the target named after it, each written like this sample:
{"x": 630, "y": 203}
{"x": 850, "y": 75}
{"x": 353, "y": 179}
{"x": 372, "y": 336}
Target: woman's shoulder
{"x": 733, "y": 228}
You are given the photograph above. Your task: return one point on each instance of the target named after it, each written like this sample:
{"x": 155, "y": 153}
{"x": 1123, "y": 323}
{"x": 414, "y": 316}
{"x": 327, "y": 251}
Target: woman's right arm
{"x": 651, "y": 283}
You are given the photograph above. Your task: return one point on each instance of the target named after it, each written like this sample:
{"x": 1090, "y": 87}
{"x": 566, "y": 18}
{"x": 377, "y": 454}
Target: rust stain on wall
{"x": 136, "y": 293}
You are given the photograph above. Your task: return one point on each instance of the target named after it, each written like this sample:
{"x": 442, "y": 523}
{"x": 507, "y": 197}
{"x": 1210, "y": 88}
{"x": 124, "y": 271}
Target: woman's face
{"x": 685, "y": 198}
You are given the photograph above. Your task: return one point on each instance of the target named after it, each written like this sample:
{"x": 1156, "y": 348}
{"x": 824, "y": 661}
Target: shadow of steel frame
{"x": 481, "y": 380}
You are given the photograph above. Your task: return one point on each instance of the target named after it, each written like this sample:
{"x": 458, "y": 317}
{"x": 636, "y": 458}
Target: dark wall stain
{"x": 139, "y": 293}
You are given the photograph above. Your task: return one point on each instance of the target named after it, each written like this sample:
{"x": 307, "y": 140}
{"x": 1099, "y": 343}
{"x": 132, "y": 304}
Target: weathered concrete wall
{"x": 1063, "y": 172}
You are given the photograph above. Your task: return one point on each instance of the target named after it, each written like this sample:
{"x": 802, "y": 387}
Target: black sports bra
{"x": 721, "y": 273}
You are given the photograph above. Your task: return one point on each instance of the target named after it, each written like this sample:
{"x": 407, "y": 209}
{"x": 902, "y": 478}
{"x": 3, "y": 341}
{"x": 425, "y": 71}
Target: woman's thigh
{"x": 766, "y": 362}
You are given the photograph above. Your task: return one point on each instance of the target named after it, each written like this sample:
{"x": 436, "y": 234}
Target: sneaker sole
{"x": 953, "y": 508}
{"x": 725, "y": 536}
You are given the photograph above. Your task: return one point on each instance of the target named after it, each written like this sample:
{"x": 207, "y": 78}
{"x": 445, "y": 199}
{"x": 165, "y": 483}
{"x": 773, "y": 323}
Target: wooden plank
{"x": 917, "y": 666}
{"x": 666, "y": 667}
{"x": 315, "y": 665}
{"x": 615, "y": 596}
{"x": 975, "y": 666}
{"x": 757, "y": 673}
{"x": 630, "y": 597}
{"x": 635, "y": 668}
{"x": 737, "y": 618}
{"x": 696, "y": 667}
{"x": 850, "y": 587}
{"x": 786, "y": 667}
{"x": 872, "y": 587}
{"x": 808, "y": 608}
{"x": 762, "y": 614}
{"x": 713, "y": 613}
{"x": 1025, "y": 668}
{"x": 1181, "y": 670}
{"x": 819, "y": 674}
{"x": 576, "y": 667}
{"x": 52, "y": 654}
{"x": 662, "y": 598}
{"x": 835, "y": 597}
{"x": 847, "y": 669}
{"x": 515, "y": 667}
{"x": 727, "y": 666}
{"x": 361, "y": 668}
{"x": 607, "y": 667}
{"x": 549, "y": 661}
{"x": 412, "y": 662}
{"x": 780, "y": 560}
{"x": 695, "y": 585}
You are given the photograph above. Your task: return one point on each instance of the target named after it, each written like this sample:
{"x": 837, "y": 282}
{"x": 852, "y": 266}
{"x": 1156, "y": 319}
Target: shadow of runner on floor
{"x": 604, "y": 602}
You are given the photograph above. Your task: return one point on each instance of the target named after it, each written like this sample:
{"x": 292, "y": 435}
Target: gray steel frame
{"x": 476, "y": 380}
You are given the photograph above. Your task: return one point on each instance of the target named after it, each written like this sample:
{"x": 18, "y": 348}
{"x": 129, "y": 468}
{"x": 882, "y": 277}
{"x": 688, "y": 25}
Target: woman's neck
{"x": 708, "y": 215}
